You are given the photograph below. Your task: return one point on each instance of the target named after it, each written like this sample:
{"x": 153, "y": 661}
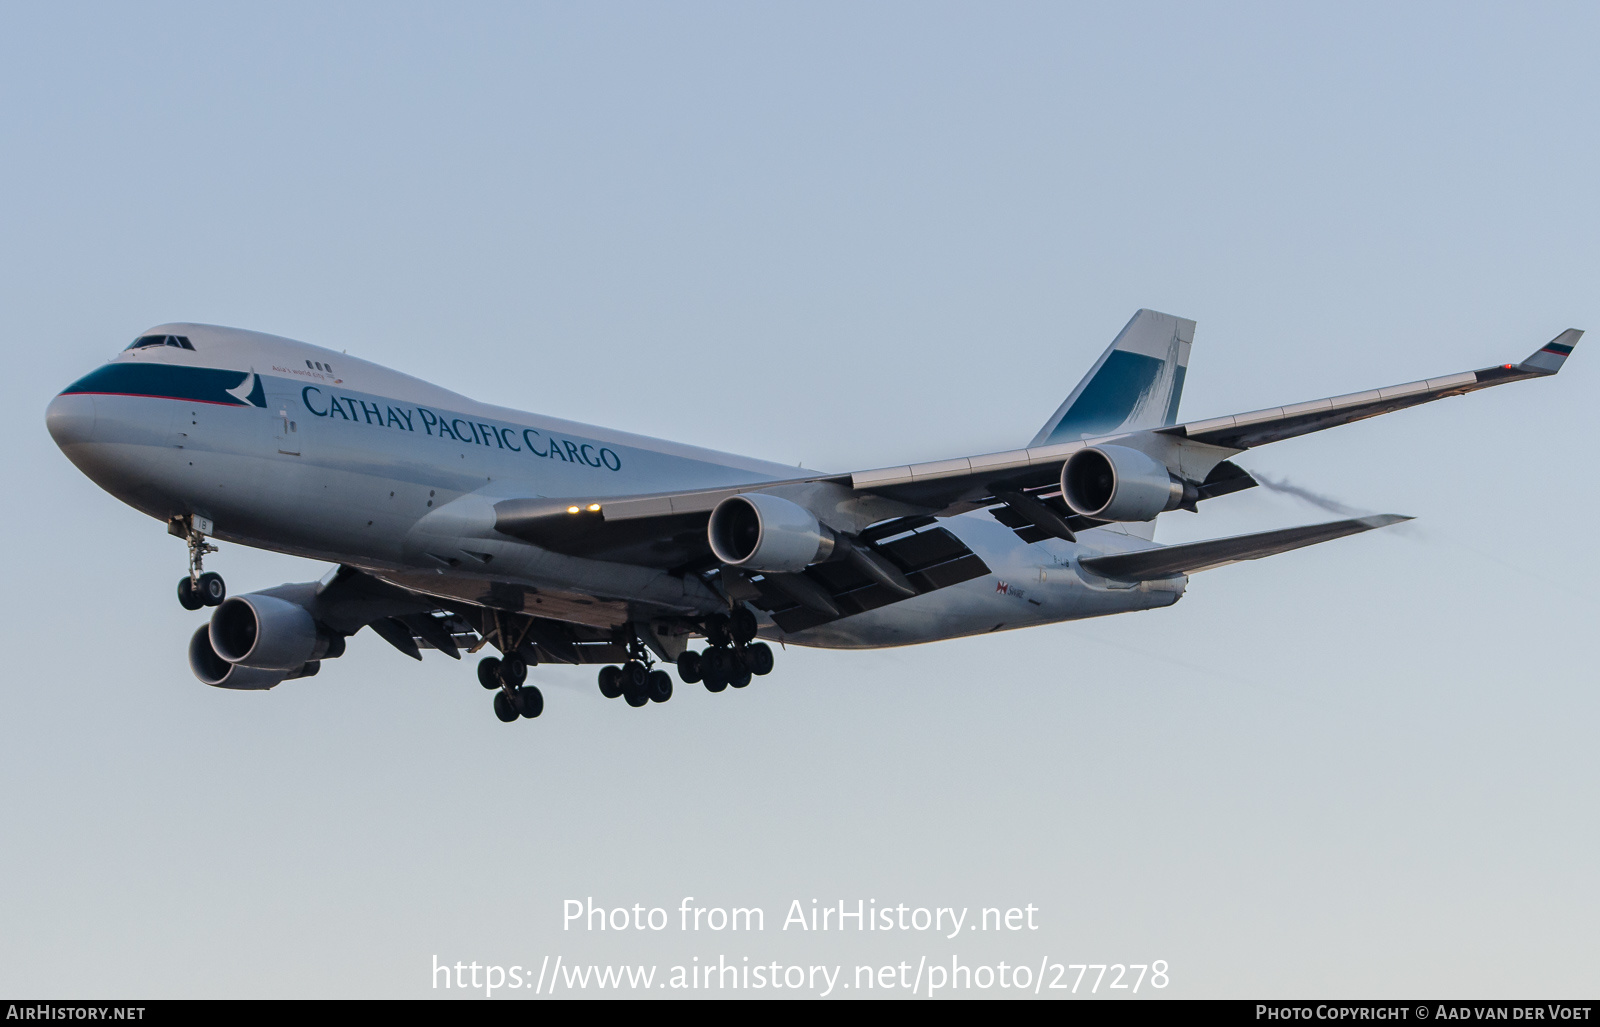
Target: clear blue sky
{"x": 848, "y": 235}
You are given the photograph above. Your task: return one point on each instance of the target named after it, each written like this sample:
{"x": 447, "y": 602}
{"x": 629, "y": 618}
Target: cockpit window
{"x": 175, "y": 341}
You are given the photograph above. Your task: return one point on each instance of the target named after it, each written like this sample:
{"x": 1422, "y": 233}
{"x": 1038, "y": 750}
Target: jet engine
{"x": 1115, "y": 483}
{"x": 213, "y": 670}
{"x": 257, "y": 640}
{"x": 267, "y": 633}
{"x": 760, "y": 532}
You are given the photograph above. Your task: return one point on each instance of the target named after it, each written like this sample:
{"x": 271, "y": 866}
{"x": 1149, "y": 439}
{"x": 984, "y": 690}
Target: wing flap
{"x": 1192, "y": 557}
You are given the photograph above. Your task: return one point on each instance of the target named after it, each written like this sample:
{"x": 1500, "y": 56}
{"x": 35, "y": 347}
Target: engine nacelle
{"x": 1115, "y": 483}
{"x": 213, "y": 670}
{"x": 765, "y": 533}
{"x": 264, "y": 632}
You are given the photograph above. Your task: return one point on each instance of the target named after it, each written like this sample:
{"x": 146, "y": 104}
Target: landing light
{"x": 594, "y": 507}
{"x": 572, "y": 509}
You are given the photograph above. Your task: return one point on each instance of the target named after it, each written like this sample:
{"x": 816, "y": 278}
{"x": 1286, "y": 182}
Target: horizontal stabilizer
{"x": 1150, "y": 564}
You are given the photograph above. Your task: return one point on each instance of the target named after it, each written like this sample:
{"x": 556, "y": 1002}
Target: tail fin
{"x": 1136, "y": 383}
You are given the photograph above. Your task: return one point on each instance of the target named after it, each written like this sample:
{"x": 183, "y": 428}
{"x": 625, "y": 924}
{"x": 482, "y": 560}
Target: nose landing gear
{"x": 201, "y": 587}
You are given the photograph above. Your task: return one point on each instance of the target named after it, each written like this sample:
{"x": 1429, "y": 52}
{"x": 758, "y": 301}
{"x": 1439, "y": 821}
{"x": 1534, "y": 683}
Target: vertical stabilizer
{"x": 1136, "y": 383}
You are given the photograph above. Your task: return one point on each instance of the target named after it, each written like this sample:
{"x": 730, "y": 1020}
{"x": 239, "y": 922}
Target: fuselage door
{"x": 284, "y": 420}
{"x": 287, "y": 430}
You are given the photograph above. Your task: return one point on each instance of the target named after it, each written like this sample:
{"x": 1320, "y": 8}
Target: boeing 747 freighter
{"x": 452, "y": 524}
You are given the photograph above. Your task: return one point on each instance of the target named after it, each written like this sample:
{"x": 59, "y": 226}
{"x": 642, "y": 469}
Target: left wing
{"x": 1193, "y": 449}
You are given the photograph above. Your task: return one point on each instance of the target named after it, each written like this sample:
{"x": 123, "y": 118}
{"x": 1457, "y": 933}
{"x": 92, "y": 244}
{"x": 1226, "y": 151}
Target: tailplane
{"x": 1165, "y": 561}
{"x": 1136, "y": 383}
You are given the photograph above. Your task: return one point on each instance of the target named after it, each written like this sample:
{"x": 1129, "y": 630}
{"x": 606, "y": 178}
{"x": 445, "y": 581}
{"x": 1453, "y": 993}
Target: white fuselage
{"x": 290, "y": 447}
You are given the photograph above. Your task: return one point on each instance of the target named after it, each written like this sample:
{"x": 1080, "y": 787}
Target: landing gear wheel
{"x": 503, "y": 708}
{"x": 611, "y": 682}
{"x": 489, "y": 672}
{"x": 739, "y": 676}
{"x": 689, "y": 667}
{"x": 212, "y": 589}
{"x": 658, "y": 685}
{"x": 188, "y": 598}
{"x": 758, "y": 658}
{"x": 633, "y": 683}
{"x": 717, "y": 630}
{"x": 514, "y": 670}
{"x": 714, "y": 669}
{"x": 742, "y": 625}
{"x": 529, "y": 701}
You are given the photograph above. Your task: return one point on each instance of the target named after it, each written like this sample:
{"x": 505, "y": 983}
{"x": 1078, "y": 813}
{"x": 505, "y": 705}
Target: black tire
{"x": 513, "y": 670}
{"x": 188, "y": 598}
{"x": 611, "y": 682}
{"x": 739, "y": 676}
{"x": 758, "y": 658}
{"x": 689, "y": 667}
{"x": 742, "y": 625}
{"x": 489, "y": 672}
{"x": 529, "y": 701}
{"x": 212, "y": 589}
{"x": 633, "y": 687}
{"x": 503, "y": 708}
{"x": 658, "y": 686}
{"x": 717, "y": 630}
{"x": 714, "y": 669}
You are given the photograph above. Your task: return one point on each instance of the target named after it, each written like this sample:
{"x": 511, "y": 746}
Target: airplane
{"x": 456, "y": 525}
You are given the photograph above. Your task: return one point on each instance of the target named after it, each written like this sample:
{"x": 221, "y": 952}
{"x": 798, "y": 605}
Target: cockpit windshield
{"x": 175, "y": 341}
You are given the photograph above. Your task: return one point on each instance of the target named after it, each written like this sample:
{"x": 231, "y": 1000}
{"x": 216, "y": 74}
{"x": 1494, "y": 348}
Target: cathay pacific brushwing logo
{"x": 250, "y": 391}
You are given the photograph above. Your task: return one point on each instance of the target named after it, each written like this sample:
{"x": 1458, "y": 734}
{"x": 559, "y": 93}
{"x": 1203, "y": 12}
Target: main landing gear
{"x": 513, "y": 698}
{"x": 636, "y": 681}
{"x": 200, "y": 587}
{"x": 732, "y": 657}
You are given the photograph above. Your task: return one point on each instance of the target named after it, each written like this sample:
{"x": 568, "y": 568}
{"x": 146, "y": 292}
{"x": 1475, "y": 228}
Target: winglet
{"x": 1553, "y": 354}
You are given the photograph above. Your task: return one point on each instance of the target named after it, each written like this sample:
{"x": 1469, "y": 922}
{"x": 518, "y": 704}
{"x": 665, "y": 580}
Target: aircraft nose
{"x": 70, "y": 419}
